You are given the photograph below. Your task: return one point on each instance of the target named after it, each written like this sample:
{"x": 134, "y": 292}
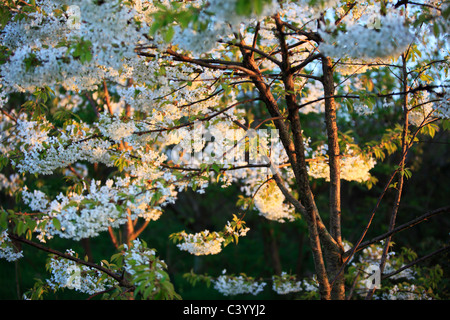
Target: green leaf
{"x": 446, "y": 124}
{"x": 82, "y": 50}
{"x": 436, "y": 29}
{"x": 148, "y": 291}
{"x": 3, "y": 219}
{"x": 31, "y": 61}
{"x": 244, "y": 7}
{"x": 20, "y": 227}
{"x": 72, "y": 203}
{"x": 3, "y": 161}
{"x": 216, "y": 168}
{"x": 168, "y": 34}
{"x": 446, "y": 12}
{"x": 259, "y": 6}
{"x": 56, "y": 223}
{"x": 31, "y": 224}
{"x": 5, "y": 16}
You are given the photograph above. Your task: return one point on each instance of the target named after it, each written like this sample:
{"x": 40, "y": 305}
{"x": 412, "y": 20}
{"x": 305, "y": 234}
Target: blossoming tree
{"x": 134, "y": 102}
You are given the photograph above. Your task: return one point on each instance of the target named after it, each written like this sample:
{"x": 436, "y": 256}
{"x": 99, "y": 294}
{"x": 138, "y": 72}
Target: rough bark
{"x": 333, "y": 257}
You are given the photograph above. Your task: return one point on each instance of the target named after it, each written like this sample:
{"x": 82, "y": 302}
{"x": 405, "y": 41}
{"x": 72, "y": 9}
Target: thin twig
{"x": 409, "y": 265}
{"x": 403, "y": 227}
{"x": 113, "y": 275}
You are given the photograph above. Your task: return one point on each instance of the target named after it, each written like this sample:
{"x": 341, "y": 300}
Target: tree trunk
{"x": 291, "y": 135}
{"x": 333, "y": 257}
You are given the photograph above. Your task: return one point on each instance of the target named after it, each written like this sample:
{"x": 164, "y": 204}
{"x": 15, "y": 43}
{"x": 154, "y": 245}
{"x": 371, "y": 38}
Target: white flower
{"x": 234, "y": 285}
{"x": 96, "y": 209}
{"x": 368, "y": 43}
{"x": 68, "y": 274}
{"x": 284, "y": 285}
{"x": 269, "y": 200}
{"x": 353, "y": 167}
{"x": 363, "y": 109}
{"x": 199, "y": 244}
{"x": 420, "y": 115}
{"x": 7, "y": 249}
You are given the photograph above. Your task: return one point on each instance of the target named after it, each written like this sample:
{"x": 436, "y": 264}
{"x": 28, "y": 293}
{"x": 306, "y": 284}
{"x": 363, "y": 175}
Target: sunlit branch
{"x": 212, "y": 64}
{"x": 255, "y": 50}
{"x": 191, "y": 123}
{"x": 310, "y": 35}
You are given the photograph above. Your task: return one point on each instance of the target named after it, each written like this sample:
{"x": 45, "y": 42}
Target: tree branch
{"x": 255, "y": 50}
{"x": 305, "y": 62}
{"x": 402, "y": 168}
{"x": 211, "y": 64}
{"x": 314, "y": 36}
{"x": 409, "y": 265}
{"x": 333, "y": 151}
{"x": 122, "y": 282}
{"x": 207, "y": 118}
{"x": 402, "y": 227}
{"x": 299, "y": 166}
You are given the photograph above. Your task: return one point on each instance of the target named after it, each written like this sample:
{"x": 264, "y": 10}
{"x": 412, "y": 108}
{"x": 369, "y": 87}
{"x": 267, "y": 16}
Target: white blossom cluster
{"x": 369, "y": 261}
{"x": 312, "y": 91}
{"x": 201, "y": 243}
{"x": 116, "y": 129}
{"x": 110, "y": 29}
{"x": 230, "y": 231}
{"x": 443, "y": 106}
{"x": 10, "y": 184}
{"x": 354, "y": 166}
{"x": 419, "y": 116}
{"x": 362, "y": 109}
{"x": 37, "y": 201}
{"x": 206, "y": 242}
{"x": 221, "y": 21}
{"x": 234, "y": 285}
{"x": 348, "y": 67}
{"x": 405, "y": 292}
{"x": 138, "y": 256}
{"x": 77, "y": 216}
{"x": 270, "y": 202}
{"x": 43, "y": 152}
{"x": 389, "y": 38}
{"x": 285, "y": 285}
{"x": 68, "y": 274}
{"x": 7, "y": 249}
{"x": 431, "y": 106}
{"x": 372, "y": 256}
